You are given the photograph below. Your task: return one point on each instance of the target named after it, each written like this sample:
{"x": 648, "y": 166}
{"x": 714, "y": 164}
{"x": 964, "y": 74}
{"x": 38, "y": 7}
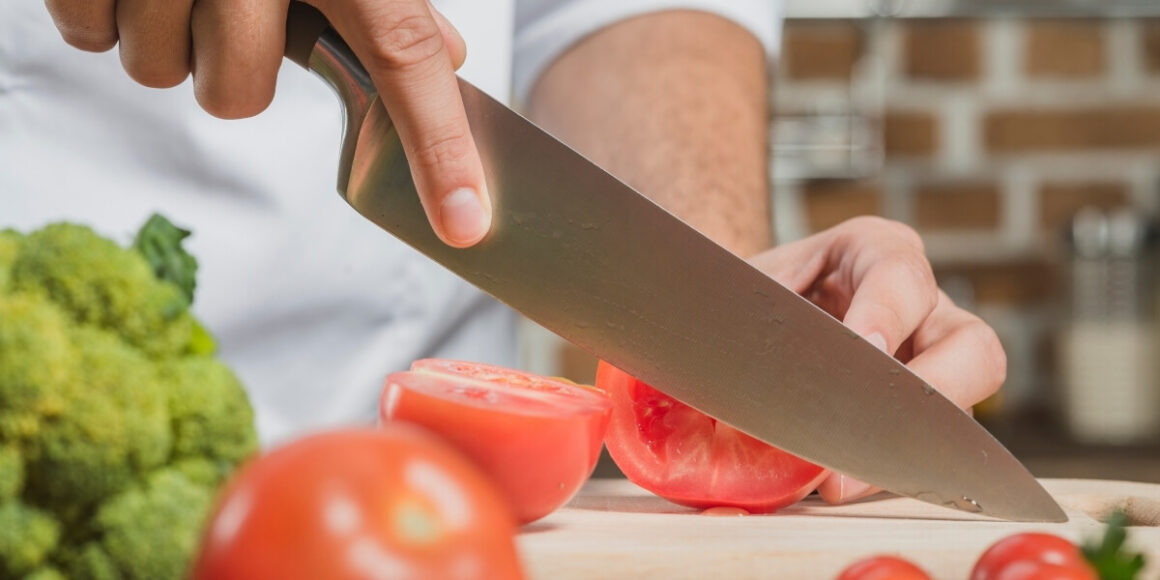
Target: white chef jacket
{"x": 311, "y": 304}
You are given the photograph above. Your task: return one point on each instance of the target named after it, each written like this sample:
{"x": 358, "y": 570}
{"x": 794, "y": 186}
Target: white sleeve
{"x": 546, "y": 28}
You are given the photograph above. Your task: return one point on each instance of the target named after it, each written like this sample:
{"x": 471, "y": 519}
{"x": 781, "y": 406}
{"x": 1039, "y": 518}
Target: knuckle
{"x": 88, "y": 39}
{"x": 442, "y": 148}
{"x": 81, "y": 26}
{"x": 224, "y": 104}
{"x": 407, "y": 41}
{"x": 156, "y": 77}
{"x": 986, "y": 342}
{"x": 915, "y": 269}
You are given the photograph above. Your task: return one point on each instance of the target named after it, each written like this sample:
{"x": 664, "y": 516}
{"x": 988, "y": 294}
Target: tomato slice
{"x": 692, "y": 459}
{"x": 396, "y": 502}
{"x": 537, "y": 437}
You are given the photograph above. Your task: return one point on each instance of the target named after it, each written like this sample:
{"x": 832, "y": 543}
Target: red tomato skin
{"x": 360, "y": 504}
{"x": 539, "y": 456}
{"x": 883, "y": 568}
{"x": 651, "y": 433}
{"x": 1019, "y": 555}
{"x": 1032, "y": 570}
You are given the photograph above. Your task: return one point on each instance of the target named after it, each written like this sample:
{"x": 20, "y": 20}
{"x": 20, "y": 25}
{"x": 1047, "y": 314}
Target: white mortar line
{"x": 1123, "y": 49}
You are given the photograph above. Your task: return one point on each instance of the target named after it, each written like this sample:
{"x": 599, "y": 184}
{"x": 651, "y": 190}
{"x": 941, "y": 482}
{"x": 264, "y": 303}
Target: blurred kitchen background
{"x": 1021, "y": 138}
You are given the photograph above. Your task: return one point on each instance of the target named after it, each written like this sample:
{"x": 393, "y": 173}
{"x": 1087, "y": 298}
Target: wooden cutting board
{"x": 613, "y": 529}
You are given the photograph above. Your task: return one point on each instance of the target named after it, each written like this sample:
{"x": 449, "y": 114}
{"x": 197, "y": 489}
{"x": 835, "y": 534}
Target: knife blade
{"x": 589, "y": 258}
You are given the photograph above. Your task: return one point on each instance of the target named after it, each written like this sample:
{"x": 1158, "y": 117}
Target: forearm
{"x": 675, "y": 104}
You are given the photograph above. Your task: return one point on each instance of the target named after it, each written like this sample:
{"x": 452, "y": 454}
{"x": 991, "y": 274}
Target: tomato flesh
{"x": 692, "y": 459}
{"x": 538, "y": 438}
{"x": 396, "y": 502}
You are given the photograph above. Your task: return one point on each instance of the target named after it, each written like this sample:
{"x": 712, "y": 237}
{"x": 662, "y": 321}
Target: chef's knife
{"x": 587, "y": 257}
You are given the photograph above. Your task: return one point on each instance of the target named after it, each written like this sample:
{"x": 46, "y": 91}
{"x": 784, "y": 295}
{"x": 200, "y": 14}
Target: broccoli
{"x": 117, "y": 422}
{"x": 9, "y": 241}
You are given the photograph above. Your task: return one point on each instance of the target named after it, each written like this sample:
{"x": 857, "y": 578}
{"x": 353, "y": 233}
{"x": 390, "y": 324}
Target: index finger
{"x": 403, "y": 47}
{"x": 893, "y": 286}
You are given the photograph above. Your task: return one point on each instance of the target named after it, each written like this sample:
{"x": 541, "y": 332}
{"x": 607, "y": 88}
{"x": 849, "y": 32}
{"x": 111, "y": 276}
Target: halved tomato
{"x": 692, "y": 459}
{"x": 537, "y": 437}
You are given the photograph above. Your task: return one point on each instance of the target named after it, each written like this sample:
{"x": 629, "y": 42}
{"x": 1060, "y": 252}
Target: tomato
{"x": 692, "y": 459}
{"x": 391, "y": 503}
{"x": 537, "y": 437}
{"x": 883, "y": 568}
{"x": 1030, "y": 555}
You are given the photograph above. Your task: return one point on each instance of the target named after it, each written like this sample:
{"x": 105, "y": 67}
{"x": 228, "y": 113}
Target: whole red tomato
{"x": 883, "y": 568}
{"x": 537, "y": 437}
{"x": 1032, "y": 555}
{"x": 692, "y": 459}
{"x": 363, "y": 504}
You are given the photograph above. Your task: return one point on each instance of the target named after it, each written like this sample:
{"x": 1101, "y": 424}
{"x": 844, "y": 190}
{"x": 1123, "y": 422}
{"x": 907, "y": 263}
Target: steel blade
{"x": 594, "y": 261}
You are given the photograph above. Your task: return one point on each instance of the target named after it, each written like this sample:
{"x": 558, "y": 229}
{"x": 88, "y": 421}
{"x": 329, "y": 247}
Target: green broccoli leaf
{"x": 160, "y": 242}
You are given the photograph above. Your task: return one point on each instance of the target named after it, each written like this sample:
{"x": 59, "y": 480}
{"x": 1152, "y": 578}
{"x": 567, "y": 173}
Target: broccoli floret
{"x": 45, "y": 573}
{"x": 150, "y": 531}
{"x": 89, "y": 562}
{"x": 211, "y": 418}
{"x": 99, "y": 283}
{"x": 27, "y": 537}
{"x": 37, "y": 362}
{"x": 117, "y": 425}
{"x": 11, "y": 472}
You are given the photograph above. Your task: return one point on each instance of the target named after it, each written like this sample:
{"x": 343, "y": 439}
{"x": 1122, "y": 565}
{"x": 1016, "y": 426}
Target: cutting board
{"x": 614, "y": 529}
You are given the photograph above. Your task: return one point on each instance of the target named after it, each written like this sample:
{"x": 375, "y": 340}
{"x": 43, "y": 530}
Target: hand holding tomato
{"x": 873, "y": 275}
{"x": 360, "y": 504}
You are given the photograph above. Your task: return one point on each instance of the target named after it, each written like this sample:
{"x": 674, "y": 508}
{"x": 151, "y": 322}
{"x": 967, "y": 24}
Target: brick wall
{"x": 988, "y": 135}
{"x": 985, "y": 135}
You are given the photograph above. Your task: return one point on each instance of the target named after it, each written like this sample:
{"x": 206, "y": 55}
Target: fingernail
{"x": 850, "y": 489}
{"x": 464, "y": 218}
{"x": 878, "y": 341}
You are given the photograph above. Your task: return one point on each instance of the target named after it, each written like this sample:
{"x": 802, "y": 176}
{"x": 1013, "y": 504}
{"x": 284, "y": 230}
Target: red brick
{"x": 910, "y": 133}
{"x": 1071, "y": 48}
{"x": 814, "y": 50}
{"x": 1058, "y": 202}
{"x": 944, "y": 50}
{"x": 1111, "y": 127}
{"x": 1028, "y": 282}
{"x": 829, "y": 203}
{"x": 1151, "y": 45}
{"x": 957, "y": 206}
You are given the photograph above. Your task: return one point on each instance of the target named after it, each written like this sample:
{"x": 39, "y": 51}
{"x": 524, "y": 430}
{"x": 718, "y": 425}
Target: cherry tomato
{"x": 1030, "y": 555}
{"x": 360, "y": 504}
{"x": 690, "y": 458}
{"x": 883, "y": 568}
{"x": 537, "y": 437}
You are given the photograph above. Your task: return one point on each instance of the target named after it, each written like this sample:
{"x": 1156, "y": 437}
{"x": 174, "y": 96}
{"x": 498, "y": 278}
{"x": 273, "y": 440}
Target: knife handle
{"x": 314, "y": 44}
